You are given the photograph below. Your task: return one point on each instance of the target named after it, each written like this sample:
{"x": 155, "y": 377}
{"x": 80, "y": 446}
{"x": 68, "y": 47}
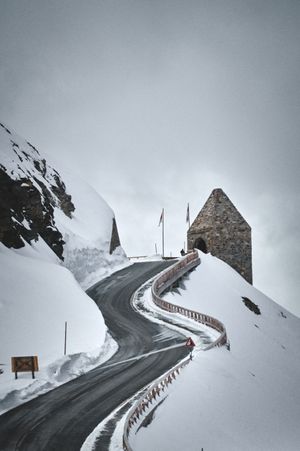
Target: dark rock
{"x": 26, "y": 214}
{"x": 33, "y": 147}
{"x": 5, "y": 128}
{"x": 115, "y": 240}
{"x": 65, "y": 199}
{"x": 251, "y": 306}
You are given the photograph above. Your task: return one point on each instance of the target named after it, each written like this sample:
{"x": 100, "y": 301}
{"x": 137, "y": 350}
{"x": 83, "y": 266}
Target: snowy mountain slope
{"x": 48, "y": 222}
{"x": 36, "y": 202}
{"x": 88, "y": 234}
{"x": 30, "y": 190}
{"x": 247, "y": 398}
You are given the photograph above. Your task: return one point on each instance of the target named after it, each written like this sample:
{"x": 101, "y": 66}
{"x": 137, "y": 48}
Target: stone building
{"x": 221, "y": 230}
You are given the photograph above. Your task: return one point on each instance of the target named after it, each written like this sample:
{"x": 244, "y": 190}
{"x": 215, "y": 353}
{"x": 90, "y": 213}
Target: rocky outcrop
{"x": 115, "y": 240}
{"x": 32, "y": 192}
{"x": 24, "y": 215}
{"x": 29, "y": 191}
{"x": 65, "y": 199}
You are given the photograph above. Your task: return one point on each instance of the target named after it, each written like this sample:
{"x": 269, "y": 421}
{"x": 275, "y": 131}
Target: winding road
{"x": 63, "y": 418}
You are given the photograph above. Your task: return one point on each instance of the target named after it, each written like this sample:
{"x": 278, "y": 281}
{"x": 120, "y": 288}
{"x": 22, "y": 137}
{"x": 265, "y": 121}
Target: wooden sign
{"x": 24, "y": 364}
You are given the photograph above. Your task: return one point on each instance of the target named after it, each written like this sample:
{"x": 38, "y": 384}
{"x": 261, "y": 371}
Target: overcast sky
{"x": 157, "y": 102}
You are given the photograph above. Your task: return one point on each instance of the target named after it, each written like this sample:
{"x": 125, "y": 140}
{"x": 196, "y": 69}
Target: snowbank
{"x": 247, "y": 398}
{"x": 87, "y": 234}
{"x": 37, "y": 297}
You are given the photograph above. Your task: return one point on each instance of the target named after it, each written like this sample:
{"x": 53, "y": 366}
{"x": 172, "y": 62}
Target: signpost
{"x": 190, "y": 344}
{"x": 24, "y": 364}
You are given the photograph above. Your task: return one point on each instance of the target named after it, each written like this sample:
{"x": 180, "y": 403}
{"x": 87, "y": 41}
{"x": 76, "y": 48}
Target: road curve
{"x": 63, "y": 418}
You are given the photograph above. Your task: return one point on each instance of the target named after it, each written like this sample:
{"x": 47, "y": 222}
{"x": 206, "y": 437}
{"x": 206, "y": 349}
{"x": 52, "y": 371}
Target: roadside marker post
{"x": 65, "y": 342}
{"x": 190, "y": 344}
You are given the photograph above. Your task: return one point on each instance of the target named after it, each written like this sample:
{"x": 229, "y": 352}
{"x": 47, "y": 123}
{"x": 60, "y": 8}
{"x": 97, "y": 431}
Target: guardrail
{"x": 146, "y": 401}
{"x": 167, "y": 278}
{"x": 161, "y": 283}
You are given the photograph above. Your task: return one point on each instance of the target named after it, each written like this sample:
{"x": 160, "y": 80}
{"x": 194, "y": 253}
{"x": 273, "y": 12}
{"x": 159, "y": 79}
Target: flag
{"x": 188, "y": 214}
{"x": 161, "y": 217}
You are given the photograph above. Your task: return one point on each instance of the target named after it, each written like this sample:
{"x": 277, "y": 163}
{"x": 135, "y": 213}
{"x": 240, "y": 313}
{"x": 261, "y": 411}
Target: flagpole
{"x": 163, "y": 234}
{"x": 188, "y": 219}
{"x": 162, "y": 223}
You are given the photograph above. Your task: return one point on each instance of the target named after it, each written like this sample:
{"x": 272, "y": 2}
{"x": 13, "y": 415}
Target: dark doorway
{"x": 201, "y": 245}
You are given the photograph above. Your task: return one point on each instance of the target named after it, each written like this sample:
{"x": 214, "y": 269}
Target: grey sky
{"x": 156, "y": 103}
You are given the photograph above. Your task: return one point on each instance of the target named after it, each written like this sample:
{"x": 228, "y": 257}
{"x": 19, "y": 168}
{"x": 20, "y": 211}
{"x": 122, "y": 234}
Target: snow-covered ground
{"x": 87, "y": 234}
{"x": 248, "y": 398}
{"x": 37, "y": 297}
{"x": 39, "y": 292}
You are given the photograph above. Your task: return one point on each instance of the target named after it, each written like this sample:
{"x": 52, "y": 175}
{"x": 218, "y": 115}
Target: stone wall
{"x": 225, "y": 233}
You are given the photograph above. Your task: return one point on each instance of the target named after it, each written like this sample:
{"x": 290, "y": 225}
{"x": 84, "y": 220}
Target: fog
{"x": 155, "y": 103}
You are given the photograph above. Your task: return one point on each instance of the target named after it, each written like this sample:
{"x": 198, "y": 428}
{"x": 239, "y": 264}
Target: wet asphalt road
{"x": 61, "y": 419}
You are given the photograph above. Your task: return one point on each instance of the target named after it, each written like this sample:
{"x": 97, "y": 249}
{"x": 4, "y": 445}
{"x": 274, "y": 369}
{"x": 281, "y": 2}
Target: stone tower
{"x": 221, "y": 230}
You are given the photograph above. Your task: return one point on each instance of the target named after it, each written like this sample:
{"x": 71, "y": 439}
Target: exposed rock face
{"x": 221, "y": 230}
{"x": 32, "y": 192}
{"x": 115, "y": 240}
{"x": 65, "y": 199}
{"x": 29, "y": 191}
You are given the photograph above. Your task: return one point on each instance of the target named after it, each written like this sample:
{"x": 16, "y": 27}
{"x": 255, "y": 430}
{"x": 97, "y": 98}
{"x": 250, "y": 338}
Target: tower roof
{"x": 218, "y": 206}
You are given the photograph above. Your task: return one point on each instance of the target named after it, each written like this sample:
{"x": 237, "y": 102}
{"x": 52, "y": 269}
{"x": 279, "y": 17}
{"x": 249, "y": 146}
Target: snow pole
{"x": 65, "y": 343}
